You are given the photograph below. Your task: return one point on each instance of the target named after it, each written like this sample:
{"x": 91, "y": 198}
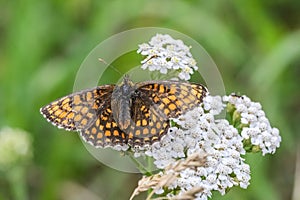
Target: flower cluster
{"x": 15, "y": 146}
{"x": 200, "y": 132}
{"x": 164, "y": 53}
{"x": 256, "y": 127}
{"x": 203, "y": 151}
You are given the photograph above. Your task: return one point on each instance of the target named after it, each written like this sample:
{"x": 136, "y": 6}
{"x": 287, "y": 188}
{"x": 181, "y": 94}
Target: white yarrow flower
{"x": 258, "y": 128}
{"x": 163, "y": 53}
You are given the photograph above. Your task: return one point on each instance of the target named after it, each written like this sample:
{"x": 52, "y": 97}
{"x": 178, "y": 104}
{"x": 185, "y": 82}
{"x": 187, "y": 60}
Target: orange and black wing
{"x": 88, "y": 112}
{"x": 79, "y": 110}
{"x": 155, "y": 102}
{"x": 104, "y": 131}
{"x": 173, "y": 98}
{"x": 147, "y": 121}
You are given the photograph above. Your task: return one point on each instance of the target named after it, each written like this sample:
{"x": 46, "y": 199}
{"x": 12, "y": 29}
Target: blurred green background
{"x": 255, "y": 44}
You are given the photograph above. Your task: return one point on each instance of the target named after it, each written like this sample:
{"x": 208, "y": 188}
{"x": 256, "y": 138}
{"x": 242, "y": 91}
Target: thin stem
{"x": 139, "y": 165}
{"x": 149, "y": 163}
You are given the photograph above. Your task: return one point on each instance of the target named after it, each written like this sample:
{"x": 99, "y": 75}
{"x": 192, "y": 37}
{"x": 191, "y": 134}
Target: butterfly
{"x": 135, "y": 114}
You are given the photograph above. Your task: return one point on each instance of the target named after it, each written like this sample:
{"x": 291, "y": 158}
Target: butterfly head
{"x": 126, "y": 80}
{"x": 126, "y": 85}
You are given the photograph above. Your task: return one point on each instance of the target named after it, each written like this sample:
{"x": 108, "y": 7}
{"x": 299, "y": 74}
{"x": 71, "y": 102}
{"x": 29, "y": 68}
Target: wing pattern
{"x": 153, "y": 103}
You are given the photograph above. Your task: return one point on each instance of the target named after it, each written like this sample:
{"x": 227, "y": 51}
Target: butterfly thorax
{"x": 121, "y": 101}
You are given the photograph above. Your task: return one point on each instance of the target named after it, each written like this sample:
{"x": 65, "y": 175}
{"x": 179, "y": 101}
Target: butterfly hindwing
{"x": 104, "y": 130}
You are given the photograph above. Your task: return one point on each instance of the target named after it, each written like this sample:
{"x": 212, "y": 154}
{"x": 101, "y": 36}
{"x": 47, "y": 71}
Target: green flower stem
{"x": 150, "y": 164}
{"x": 139, "y": 165}
{"x": 16, "y": 178}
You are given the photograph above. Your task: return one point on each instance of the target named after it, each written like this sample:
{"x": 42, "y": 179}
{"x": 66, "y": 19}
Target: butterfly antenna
{"x": 115, "y": 69}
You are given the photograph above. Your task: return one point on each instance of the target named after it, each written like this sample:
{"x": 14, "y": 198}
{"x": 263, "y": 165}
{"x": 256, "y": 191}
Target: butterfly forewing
{"x": 78, "y": 110}
{"x": 173, "y": 98}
